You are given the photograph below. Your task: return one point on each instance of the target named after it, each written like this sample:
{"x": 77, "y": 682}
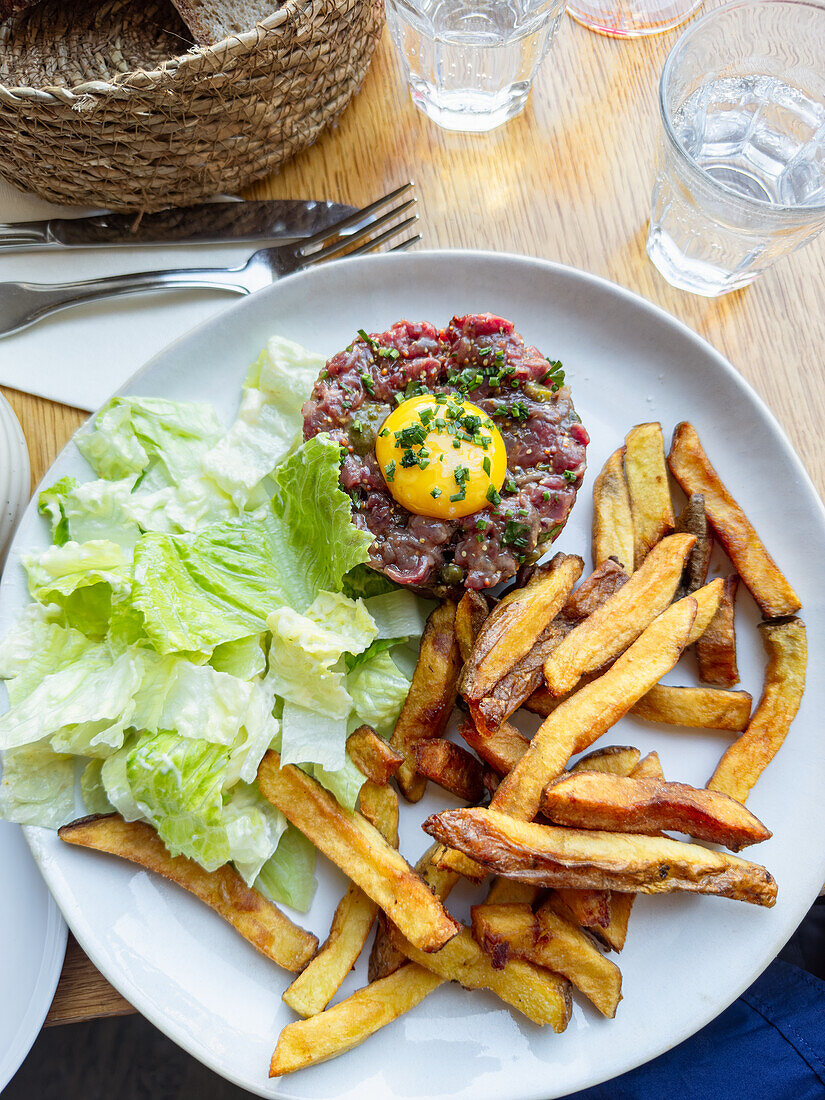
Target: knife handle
{"x": 21, "y": 304}
{"x": 17, "y": 233}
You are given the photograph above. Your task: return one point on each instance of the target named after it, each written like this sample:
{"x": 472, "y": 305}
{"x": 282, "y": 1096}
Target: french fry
{"x": 431, "y": 697}
{"x": 516, "y": 622}
{"x": 372, "y": 755}
{"x": 745, "y": 760}
{"x": 699, "y": 708}
{"x": 361, "y": 852}
{"x": 547, "y": 939}
{"x": 693, "y": 521}
{"x": 354, "y": 916}
{"x": 501, "y": 748}
{"x": 504, "y": 891}
{"x": 716, "y": 649}
{"x": 646, "y": 475}
{"x": 528, "y": 674}
{"x": 613, "y": 760}
{"x": 259, "y": 921}
{"x": 612, "y": 627}
{"x": 451, "y": 767}
{"x": 470, "y": 614}
{"x": 539, "y": 995}
{"x": 347, "y": 1024}
{"x": 592, "y": 909}
{"x": 582, "y": 718}
{"x": 586, "y": 715}
{"x": 549, "y": 855}
{"x": 692, "y": 469}
{"x": 588, "y": 908}
{"x": 614, "y": 934}
{"x": 612, "y": 519}
{"x": 385, "y": 958}
{"x": 616, "y": 803}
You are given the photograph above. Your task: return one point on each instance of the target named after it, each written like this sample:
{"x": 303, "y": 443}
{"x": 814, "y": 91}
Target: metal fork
{"x": 21, "y": 304}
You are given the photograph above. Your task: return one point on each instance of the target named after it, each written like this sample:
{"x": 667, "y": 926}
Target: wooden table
{"x": 569, "y": 180}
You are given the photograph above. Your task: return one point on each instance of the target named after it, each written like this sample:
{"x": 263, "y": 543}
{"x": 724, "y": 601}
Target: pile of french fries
{"x": 569, "y": 845}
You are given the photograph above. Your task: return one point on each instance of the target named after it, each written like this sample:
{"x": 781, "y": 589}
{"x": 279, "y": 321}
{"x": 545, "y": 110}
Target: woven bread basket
{"x": 107, "y": 103}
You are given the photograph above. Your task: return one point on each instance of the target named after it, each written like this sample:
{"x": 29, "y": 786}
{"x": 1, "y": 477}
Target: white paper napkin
{"x": 81, "y": 355}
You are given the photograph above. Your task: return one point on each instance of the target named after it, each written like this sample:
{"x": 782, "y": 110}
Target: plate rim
{"x": 552, "y": 267}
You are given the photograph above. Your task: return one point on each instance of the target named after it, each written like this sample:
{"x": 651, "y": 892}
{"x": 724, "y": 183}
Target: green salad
{"x": 204, "y": 598}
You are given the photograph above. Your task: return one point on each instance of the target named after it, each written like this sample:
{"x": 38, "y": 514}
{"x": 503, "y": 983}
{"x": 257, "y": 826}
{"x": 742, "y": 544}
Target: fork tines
{"x": 366, "y": 222}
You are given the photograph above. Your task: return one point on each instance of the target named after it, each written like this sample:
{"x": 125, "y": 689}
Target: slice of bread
{"x": 211, "y": 21}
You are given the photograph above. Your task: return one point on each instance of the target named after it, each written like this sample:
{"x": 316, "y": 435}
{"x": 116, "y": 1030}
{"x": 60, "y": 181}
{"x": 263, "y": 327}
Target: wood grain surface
{"x": 569, "y": 180}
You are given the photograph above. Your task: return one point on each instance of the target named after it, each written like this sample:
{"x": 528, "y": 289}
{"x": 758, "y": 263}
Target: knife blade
{"x": 208, "y": 222}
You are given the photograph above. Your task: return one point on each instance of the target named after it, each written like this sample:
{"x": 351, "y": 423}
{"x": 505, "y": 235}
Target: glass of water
{"x": 741, "y": 181}
{"x": 470, "y": 63}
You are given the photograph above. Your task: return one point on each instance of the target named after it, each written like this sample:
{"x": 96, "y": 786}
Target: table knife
{"x": 209, "y": 222}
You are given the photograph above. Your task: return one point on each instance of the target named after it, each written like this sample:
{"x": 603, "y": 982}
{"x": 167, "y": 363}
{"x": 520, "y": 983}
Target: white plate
{"x": 33, "y": 935}
{"x": 15, "y": 474}
{"x": 687, "y": 957}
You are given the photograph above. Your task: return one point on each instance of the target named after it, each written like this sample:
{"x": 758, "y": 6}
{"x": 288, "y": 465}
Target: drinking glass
{"x": 741, "y": 180}
{"x": 632, "y": 18}
{"x": 470, "y": 63}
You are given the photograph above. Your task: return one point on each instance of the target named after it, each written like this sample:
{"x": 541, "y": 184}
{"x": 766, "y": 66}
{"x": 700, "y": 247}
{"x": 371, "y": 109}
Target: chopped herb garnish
{"x": 515, "y": 534}
{"x": 435, "y": 492}
{"x": 569, "y": 476}
{"x": 493, "y": 495}
{"x": 545, "y": 496}
{"x": 479, "y": 538}
{"x": 389, "y": 471}
{"x": 486, "y": 465}
{"x": 460, "y": 495}
{"x": 510, "y": 485}
{"x": 461, "y": 474}
{"x": 555, "y": 375}
{"x": 369, "y": 385}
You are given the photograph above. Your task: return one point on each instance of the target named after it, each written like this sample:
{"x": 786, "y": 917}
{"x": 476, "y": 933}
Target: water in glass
{"x": 742, "y": 175}
{"x": 471, "y": 62}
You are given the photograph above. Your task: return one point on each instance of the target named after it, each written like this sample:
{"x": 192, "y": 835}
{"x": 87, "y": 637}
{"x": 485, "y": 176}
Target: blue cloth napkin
{"x": 769, "y": 1045}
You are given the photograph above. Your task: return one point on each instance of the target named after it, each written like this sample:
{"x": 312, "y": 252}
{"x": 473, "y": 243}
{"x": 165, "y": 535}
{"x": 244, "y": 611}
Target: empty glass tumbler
{"x": 632, "y": 18}
{"x": 741, "y": 181}
{"x": 470, "y": 63}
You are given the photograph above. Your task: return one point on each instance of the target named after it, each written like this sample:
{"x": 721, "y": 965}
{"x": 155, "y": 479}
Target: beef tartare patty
{"x": 483, "y": 359}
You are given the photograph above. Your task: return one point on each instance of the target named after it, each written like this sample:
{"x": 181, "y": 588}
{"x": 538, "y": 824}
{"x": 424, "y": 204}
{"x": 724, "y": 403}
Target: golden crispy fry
{"x": 716, "y": 649}
{"x": 646, "y": 475}
{"x": 515, "y": 624}
{"x": 258, "y": 920}
{"x": 504, "y": 891}
{"x": 707, "y": 601}
{"x": 470, "y": 614}
{"x": 575, "y": 724}
{"x": 612, "y": 627}
{"x": 528, "y": 674}
{"x": 588, "y": 908}
{"x": 541, "y": 996}
{"x": 612, "y": 519}
{"x": 745, "y": 760}
{"x": 358, "y": 848}
{"x": 432, "y": 695}
{"x": 692, "y": 469}
{"x": 385, "y": 958}
{"x": 345, "y": 1025}
{"x": 699, "y": 708}
{"x": 614, "y": 934}
{"x": 502, "y": 748}
{"x": 315, "y": 986}
{"x": 549, "y": 855}
{"x": 372, "y": 755}
{"x": 592, "y": 908}
{"x": 617, "y": 803}
{"x": 614, "y": 760}
{"x": 547, "y": 939}
{"x": 693, "y": 521}
{"x": 451, "y": 767}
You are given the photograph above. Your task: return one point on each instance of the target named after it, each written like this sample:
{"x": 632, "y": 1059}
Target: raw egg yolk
{"x": 441, "y": 456}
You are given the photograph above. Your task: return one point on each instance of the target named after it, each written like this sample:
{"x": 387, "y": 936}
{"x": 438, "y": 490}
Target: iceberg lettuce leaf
{"x": 37, "y": 786}
{"x": 288, "y": 877}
